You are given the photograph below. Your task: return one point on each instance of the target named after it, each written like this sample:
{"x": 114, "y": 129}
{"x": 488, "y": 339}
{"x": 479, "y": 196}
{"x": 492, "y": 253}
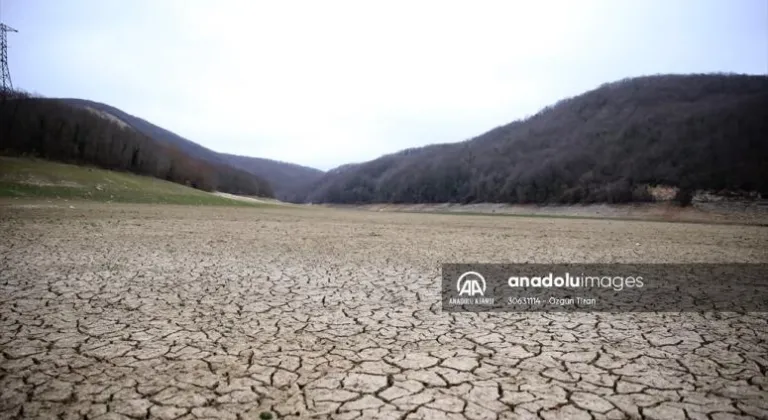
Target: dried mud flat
{"x": 130, "y": 311}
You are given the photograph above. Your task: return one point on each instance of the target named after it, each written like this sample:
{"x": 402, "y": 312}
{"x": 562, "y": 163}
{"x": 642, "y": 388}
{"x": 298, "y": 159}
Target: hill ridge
{"x": 701, "y": 131}
{"x": 281, "y": 176}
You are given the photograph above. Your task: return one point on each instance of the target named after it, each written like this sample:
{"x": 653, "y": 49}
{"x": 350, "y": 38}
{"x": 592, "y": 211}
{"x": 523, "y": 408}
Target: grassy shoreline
{"x": 38, "y": 178}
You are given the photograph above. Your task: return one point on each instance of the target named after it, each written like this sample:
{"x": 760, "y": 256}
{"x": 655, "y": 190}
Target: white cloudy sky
{"x": 323, "y": 83}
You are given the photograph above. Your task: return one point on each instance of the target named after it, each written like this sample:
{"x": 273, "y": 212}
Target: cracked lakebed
{"x": 112, "y": 311}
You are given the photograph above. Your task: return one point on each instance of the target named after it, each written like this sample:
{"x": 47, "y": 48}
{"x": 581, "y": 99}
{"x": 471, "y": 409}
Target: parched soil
{"x": 750, "y": 212}
{"x": 160, "y": 311}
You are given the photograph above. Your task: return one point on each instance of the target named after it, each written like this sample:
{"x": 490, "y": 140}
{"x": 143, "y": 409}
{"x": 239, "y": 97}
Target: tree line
{"x": 52, "y": 129}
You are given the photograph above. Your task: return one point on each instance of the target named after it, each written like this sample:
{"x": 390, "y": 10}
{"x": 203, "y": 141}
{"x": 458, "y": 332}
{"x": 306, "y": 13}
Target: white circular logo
{"x": 471, "y": 283}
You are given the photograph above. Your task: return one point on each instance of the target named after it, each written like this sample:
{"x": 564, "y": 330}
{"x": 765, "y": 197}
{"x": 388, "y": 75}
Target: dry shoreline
{"x": 748, "y": 213}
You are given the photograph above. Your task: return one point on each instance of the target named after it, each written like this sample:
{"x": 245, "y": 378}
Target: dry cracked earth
{"x": 114, "y": 311}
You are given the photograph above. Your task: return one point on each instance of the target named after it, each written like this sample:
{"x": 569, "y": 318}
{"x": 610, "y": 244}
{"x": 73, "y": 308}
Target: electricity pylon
{"x": 6, "y": 73}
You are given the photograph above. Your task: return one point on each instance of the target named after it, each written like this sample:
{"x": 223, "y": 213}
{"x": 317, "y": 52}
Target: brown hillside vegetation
{"x": 55, "y": 130}
{"x": 694, "y": 132}
{"x": 283, "y": 177}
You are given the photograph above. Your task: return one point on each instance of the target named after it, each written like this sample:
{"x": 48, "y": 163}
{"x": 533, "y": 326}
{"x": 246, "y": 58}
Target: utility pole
{"x": 6, "y": 73}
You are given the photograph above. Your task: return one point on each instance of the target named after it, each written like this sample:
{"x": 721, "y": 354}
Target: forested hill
{"x": 158, "y": 133}
{"x": 694, "y": 132}
{"x": 64, "y": 131}
{"x": 282, "y": 177}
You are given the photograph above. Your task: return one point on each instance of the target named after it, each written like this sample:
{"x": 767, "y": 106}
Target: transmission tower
{"x": 6, "y": 73}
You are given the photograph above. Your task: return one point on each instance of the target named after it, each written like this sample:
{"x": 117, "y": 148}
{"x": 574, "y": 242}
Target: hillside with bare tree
{"x": 693, "y": 132}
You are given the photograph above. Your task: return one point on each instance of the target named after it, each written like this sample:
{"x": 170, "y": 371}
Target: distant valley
{"x": 285, "y": 178}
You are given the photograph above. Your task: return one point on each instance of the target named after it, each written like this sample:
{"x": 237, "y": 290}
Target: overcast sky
{"x": 323, "y": 83}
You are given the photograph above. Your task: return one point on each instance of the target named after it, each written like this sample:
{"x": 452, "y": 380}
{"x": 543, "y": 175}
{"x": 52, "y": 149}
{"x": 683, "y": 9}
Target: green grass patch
{"x": 37, "y": 178}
